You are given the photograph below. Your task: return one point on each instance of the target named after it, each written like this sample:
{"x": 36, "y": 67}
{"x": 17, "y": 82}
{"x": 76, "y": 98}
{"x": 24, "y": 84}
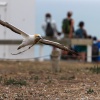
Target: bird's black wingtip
{"x": 74, "y": 52}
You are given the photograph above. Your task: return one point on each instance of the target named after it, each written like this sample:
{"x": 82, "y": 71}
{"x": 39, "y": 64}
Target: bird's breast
{"x": 30, "y": 40}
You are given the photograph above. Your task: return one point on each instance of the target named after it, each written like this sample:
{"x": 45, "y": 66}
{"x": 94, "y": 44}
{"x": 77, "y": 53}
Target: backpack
{"x": 80, "y": 33}
{"x": 49, "y": 30}
{"x": 66, "y": 26}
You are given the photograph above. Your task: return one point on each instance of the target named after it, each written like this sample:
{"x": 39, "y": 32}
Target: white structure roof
{"x": 3, "y": 3}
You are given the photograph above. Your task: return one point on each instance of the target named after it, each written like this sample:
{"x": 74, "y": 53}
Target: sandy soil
{"x": 27, "y": 80}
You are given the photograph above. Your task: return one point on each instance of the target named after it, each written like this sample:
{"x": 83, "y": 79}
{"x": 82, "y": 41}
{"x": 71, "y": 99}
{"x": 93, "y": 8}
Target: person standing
{"x": 68, "y": 25}
{"x": 49, "y": 26}
{"x": 95, "y": 50}
{"x": 68, "y": 30}
{"x": 81, "y": 33}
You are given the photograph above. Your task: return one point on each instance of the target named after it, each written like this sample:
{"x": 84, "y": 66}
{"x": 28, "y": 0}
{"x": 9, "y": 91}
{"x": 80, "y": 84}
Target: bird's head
{"x": 38, "y": 36}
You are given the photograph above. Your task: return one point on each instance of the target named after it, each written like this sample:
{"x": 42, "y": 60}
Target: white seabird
{"x": 34, "y": 39}
{"x": 29, "y": 40}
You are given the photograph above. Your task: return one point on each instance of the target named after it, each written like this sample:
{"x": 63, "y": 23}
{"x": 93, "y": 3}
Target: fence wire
{"x": 44, "y": 56}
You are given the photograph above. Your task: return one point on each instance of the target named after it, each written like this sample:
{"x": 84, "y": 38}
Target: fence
{"x": 86, "y": 42}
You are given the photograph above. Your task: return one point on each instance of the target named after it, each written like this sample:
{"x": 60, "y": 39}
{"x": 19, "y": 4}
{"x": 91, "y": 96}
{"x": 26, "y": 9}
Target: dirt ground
{"x": 28, "y": 80}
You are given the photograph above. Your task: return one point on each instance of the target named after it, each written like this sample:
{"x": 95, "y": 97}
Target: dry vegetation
{"x": 29, "y": 80}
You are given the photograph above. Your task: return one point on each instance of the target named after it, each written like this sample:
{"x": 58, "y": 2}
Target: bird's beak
{"x": 40, "y": 37}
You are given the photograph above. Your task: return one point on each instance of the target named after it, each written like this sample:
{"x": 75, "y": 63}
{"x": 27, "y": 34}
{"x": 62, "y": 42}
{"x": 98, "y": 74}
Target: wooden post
{"x": 41, "y": 53}
{"x": 55, "y": 59}
{"x": 89, "y": 53}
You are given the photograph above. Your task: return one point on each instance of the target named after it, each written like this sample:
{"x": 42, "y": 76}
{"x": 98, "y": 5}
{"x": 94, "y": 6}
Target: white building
{"x": 20, "y": 13}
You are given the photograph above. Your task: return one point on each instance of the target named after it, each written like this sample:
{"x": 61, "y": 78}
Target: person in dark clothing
{"x": 95, "y": 50}
{"x": 49, "y": 26}
{"x": 81, "y": 33}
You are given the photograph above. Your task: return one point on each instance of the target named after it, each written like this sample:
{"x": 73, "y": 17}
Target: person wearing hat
{"x": 81, "y": 33}
{"x": 68, "y": 25}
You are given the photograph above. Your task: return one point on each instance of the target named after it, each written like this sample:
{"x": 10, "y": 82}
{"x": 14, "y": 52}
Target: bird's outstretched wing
{"x": 44, "y": 41}
{"x": 14, "y": 29}
{"x": 58, "y": 45}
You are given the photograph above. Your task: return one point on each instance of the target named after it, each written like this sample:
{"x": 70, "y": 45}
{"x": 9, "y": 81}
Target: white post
{"x": 41, "y": 53}
{"x": 89, "y": 53}
{"x": 33, "y": 54}
{"x": 55, "y": 59}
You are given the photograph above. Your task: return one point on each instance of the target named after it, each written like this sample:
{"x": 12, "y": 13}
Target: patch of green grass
{"x": 12, "y": 81}
{"x": 67, "y": 77}
{"x": 48, "y": 80}
{"x": 95, "y": 69}
{"x": 1, "y": 79}
{"x": 36, "y": 78}
{"x": 89, "y": 91}
{"x": 71, "y": 77}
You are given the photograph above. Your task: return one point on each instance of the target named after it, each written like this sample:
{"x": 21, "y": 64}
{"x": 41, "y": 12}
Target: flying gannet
{"x": 34, "y": 39}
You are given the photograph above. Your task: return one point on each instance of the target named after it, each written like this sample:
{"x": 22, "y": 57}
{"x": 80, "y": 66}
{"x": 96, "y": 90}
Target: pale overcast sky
{"x": 83, "y": 10}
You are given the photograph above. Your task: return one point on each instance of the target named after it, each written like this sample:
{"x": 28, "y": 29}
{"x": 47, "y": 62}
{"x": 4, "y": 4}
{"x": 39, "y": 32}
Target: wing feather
{"x": 58, "y": 45}
{"x": 14, "y": 29}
